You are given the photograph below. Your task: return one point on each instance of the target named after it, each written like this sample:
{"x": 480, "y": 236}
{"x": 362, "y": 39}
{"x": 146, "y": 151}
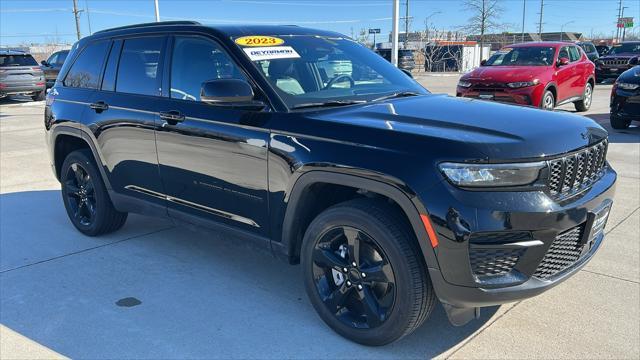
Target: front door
{"x": 213, "y": 160}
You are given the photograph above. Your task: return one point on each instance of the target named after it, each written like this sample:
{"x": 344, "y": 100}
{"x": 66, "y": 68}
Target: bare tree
{"x": 485, "y": 16}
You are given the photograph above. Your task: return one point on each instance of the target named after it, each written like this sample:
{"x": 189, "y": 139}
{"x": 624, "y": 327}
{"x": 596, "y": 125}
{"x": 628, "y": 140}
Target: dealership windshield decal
{"x": 270, "y": 53}
{"x": 259, "y": 41}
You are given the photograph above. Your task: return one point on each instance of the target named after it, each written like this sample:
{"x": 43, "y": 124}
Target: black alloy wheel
{"x": 353, "y": 277}
{"x": 364, "y": 272}
{"x": 85, "y": 197}
{"x": 80, "y": 193}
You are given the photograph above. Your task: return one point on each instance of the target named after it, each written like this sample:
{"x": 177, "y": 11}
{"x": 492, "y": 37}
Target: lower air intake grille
{"x": 492, "y": 262}
{"x": 563, "y": 253}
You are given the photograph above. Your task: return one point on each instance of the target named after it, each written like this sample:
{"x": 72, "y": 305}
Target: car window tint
{"x": 196, "y": 60}
{"x": 53, "y": 58}
{"x": 564, "y": 53}
{"x": 62, "y": 56}
{"x": 85, "y": 71}
{"x": 139, "y": 64}
{"x": 574, "y": 53}
{"x": 17, "y": 60}
{"x": 109, "y": 78}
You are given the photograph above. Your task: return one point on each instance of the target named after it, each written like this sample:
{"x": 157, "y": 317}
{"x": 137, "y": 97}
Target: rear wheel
{"x": 619, "y": 123}
{"x": 585, "y": 103}
{"x": 39, "y": 96}
{"x": 548, "y": 101}
{"x": 85, "y": 197}
{"x": 363, "y": 272}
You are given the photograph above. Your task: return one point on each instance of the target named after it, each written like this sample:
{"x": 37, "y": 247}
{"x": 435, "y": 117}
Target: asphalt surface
{"x": 152, "y": 290}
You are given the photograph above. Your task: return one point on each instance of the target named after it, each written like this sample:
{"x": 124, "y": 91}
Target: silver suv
{"x": 20, "y": 74}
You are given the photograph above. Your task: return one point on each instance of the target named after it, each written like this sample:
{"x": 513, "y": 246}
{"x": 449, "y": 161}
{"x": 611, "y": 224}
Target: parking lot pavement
{"x": 204, "y": 296}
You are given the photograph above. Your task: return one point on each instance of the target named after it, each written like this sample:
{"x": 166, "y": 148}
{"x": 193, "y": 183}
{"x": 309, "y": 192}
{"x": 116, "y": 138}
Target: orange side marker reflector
{"x": 430, "y": 232}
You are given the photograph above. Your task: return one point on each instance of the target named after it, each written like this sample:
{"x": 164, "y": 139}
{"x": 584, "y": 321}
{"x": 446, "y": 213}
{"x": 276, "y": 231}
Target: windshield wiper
{"x": 328, "y": 104}
{"x": 397, "y": 95}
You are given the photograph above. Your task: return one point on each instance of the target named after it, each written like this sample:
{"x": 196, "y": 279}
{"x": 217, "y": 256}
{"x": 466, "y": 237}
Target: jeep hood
{"x": 499, "y": 131}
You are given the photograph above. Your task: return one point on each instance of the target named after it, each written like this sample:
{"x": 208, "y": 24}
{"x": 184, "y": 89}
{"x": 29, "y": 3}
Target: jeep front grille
{"x": 576, "y": 172}
{"x": 562, "y": 254}
{"x": 615, "y": 62}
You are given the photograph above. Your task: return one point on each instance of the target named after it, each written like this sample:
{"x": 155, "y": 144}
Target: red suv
{"x": 543, "y": 74}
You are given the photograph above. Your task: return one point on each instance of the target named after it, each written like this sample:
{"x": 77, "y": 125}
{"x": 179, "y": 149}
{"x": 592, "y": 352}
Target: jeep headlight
{"x": 521, "y": 84}
{"x": 627, "y": 86}
{"x": 492, "y": 175}
{"x": 464, "y": 84}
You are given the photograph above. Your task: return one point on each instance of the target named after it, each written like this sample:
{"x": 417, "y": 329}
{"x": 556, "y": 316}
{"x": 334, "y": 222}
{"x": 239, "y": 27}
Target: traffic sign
{"x": 374, "y": 31}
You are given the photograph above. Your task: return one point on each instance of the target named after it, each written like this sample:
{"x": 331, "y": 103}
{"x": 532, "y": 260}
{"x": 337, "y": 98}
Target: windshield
{"x": 311, "y": 69}
{"x": 625, "y": 48}
{"x": 17, "y": 60}
{"x": 529, "y": 56}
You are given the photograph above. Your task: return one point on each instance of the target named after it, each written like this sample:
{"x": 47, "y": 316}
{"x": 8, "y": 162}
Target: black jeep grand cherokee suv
{"x": 390, "y": 197}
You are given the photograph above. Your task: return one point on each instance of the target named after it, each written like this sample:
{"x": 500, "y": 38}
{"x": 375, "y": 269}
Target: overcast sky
{"x": 27, "y": 21}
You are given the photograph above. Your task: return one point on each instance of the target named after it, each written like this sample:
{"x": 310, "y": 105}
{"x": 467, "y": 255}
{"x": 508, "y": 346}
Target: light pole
{"x": 624, "y": 29}
{"x": 524, "y": 11}
{"x": 394, "y": 32}
{"x": 157, "y": 12}
{"x": 562, "y": 28}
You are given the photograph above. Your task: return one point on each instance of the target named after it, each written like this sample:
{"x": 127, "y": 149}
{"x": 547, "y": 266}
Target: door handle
{"x": 99, "y": 106}
{"x": 172, "y": 117}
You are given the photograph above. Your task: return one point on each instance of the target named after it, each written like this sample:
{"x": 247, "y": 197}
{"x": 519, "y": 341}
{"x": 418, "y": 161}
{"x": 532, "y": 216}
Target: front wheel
{"x": 585, "y": 103}
{"x": 85, "y": 197}
{"x": 548, "y": 101}
{"x": 364, "y": 274}
{"x": 619, "y": 123}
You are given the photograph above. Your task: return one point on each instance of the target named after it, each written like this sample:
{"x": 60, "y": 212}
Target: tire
{"x": 587, "y": 97}
{"x": 85, "y": 197}
{"x": 619, "y": 123}
{"x": 39, "y": 96}
{"x": 387, "y": 251}
{"x": 548, "y": 101}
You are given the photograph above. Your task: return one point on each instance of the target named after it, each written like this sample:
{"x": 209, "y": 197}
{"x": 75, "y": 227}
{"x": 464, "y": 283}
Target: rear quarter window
{"x": 17, "y": 60}
{"x": 85, "y": 71}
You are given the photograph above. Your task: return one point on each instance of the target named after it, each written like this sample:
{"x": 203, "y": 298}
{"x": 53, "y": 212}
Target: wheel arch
{"x": 294, "y": 224}
{"x": 67, "y": 139}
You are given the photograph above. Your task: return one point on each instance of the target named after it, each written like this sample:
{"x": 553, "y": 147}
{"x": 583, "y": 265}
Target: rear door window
{"x": 85, "y": 71}
{"x": 139, "y": 68}
{"x": 17, "y": 60}
{"x": 574, "y": 53}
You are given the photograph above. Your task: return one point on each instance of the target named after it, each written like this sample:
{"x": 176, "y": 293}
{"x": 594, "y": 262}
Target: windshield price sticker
{"x": 259, "y": 41}
{"x": 270, "y": 53}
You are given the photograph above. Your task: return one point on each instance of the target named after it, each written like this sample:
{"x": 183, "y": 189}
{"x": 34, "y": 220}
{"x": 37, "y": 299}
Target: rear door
{"x": 578, "y": 80}
{"x": 123, "y": 114}
{"x": 213, "y": 160}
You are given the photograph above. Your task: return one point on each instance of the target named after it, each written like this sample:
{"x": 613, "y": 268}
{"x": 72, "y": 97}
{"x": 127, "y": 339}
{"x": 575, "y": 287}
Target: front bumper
{"x": 625, "y": 104}
{"x": 531, "y": 95}
{"x": 458, "y": 285}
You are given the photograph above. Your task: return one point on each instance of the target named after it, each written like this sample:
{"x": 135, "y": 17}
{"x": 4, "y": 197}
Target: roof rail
{"x": 151, "y": 24}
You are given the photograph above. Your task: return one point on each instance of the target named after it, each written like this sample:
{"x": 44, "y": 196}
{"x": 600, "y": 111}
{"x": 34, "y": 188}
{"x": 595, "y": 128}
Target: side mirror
{"x": 229, "y": 92}
{"x": 483, "y": 62}
{"x": 633, "y": 61}
{"x": 44, "y": 63}
{"x": 407, "y": 72}
{"x": 563, "y": 61}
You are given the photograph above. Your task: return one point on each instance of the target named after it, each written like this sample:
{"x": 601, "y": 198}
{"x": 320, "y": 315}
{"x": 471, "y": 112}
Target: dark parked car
{"x": 602, "y": 50}
{"x": 390, "y": 197}
{"x": 589, "y": 49}
{"x": 52, "y": 66}
{"x": 625, "y": 99}
{"x": 405, "y": 58}
{"x": 620, "y": 58}
{"x": 20, "y": 75}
